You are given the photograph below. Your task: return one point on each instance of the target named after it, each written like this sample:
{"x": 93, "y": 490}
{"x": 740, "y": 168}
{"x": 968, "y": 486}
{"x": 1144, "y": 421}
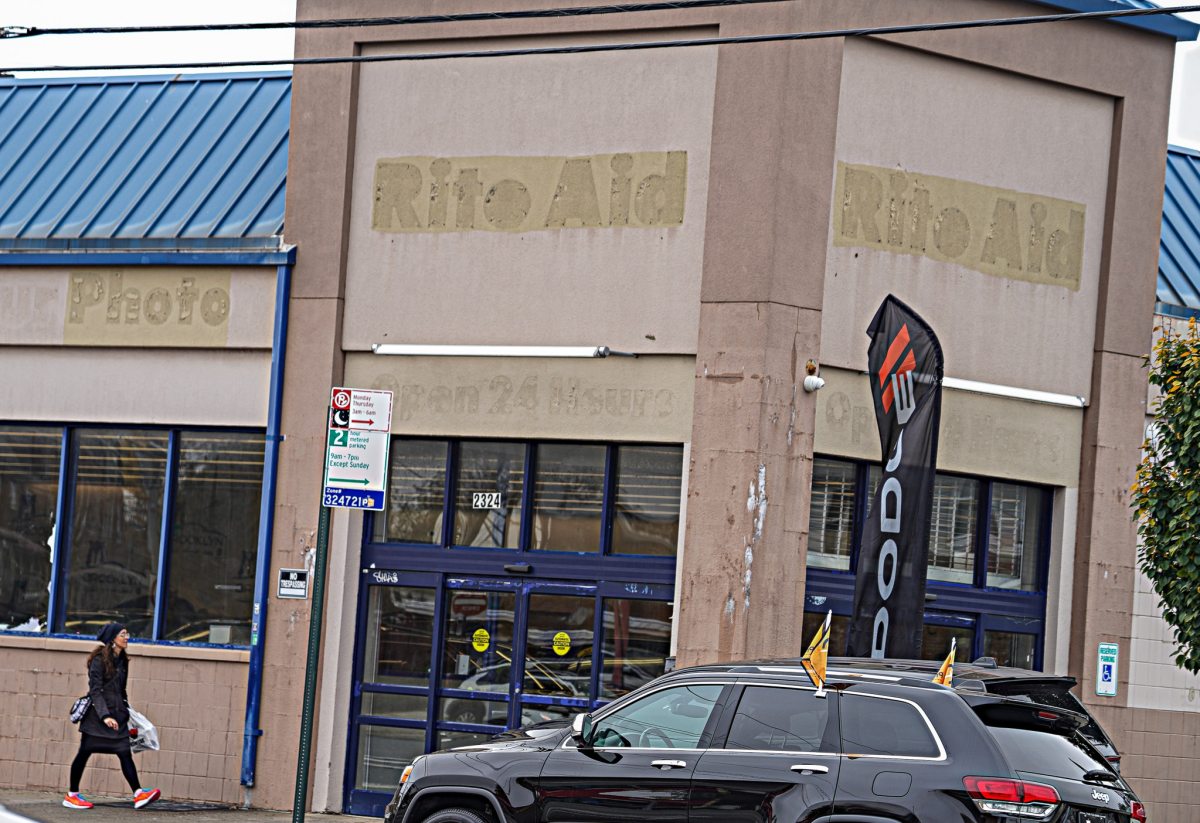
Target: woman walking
{"x": 105, "y": 727}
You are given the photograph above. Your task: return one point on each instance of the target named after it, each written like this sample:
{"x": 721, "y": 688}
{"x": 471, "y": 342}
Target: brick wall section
{"x": 1160, "y": 757}
{"x": 196, "y": 698}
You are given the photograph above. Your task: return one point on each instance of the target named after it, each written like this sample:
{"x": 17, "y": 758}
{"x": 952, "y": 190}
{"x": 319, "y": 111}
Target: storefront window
{"x": 399, "y": 636}
{"x": 831, "y": 514}
{"x": 649, "y": 484}
{"x": 1010, "y": 648}
{"x": 568, "y": 497}
{"x": 489, "y": 489}
{"x": 935, "y": 644}
{"x": 952, "y": 529}
{"x": 29, "y": 461}
{"x": 214, "y": 538}
{"x": 1013, "y": 537}
{"x": 637, "y": 642}
{"x": 115, "y": 529}
{"x": 416, "y": 492}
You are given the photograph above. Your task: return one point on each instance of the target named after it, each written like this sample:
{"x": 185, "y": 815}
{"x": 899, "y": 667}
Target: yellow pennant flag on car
{"x": 818, "y": 652}
{"x": 945, "y": 675}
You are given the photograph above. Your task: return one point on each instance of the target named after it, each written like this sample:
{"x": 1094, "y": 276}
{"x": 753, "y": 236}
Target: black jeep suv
{"x": 756, "y": 743}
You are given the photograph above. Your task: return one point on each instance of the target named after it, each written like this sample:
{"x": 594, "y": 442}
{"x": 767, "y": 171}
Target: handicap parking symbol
{"x": 1106, "y": 673}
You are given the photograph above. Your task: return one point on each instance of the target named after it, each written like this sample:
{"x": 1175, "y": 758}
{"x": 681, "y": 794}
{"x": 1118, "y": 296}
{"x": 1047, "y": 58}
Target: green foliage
{"x": 1166, "y": 496}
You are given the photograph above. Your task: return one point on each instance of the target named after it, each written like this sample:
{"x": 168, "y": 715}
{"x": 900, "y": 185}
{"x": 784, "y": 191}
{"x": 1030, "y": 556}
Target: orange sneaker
{"x": 144, "y": 797}
{"x": 74, "y": 800}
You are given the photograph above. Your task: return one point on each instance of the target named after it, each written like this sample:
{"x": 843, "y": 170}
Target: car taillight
{"x": 1138, "y": 812}
{"x": 1115, "y": 760}
{"x": 1017, "y": 798}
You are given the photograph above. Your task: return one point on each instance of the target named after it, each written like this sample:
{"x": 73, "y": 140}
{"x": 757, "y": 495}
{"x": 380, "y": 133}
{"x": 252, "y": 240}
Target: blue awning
{"x": 179, "y": 162}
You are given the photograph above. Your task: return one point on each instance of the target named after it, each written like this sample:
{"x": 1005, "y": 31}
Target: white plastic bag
{"x": 147, "y": 736}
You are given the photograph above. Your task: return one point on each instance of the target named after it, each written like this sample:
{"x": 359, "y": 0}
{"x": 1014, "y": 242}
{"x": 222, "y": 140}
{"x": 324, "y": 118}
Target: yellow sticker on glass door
{"x": 562, "y": 643}
{"x": 480, "y": 640}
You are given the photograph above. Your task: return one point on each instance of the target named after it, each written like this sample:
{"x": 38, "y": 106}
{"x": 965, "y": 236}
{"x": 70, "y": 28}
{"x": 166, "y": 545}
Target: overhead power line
{"x": 363, "y": 22}
{"x": 865, "y": 31}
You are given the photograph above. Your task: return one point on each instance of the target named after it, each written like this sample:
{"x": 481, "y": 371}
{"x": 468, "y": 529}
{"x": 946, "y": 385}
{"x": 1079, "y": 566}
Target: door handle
{"x": 668, "y": 764}
{"x": 809, "y": 768}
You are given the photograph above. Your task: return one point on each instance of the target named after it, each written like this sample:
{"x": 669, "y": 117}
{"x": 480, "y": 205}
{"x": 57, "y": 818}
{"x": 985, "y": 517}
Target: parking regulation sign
{"x": 356, "y": 450}
{"x": 1106, "y": 669}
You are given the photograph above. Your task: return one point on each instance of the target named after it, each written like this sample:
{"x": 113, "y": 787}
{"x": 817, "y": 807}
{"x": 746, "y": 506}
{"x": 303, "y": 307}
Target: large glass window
{"x": 568, "y": 497}
{"x": 159, "y": 531}
{"x": 952, "y": 529}
{"x": 116, "y": 529}
{"x": 831, "y": 514}
{"x": 637, "y": 642}
{"x": 214, "y": 537}
{"x": 649, "y": 484}
{"x": 575, "y": 497}
{"x": 415, "y": 494}
{"x": 29, "y": 461}
{"x": 489, "y": 489}
{"x": 1013, "y": 536}
{"x": 984, "y": 535}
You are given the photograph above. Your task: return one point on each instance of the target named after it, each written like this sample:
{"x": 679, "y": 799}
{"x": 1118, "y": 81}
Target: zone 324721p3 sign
{"x": 357, "y": 447}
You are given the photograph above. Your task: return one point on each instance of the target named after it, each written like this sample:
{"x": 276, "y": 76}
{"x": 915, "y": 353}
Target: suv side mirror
{"x": 581, "y": 730}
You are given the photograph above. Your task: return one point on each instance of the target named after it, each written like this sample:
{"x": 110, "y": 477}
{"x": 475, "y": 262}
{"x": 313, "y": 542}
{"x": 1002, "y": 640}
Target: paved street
{"x": 47, "y": 808}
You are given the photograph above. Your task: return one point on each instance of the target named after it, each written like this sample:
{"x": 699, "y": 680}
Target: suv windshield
{"x": 1041, "y": 752}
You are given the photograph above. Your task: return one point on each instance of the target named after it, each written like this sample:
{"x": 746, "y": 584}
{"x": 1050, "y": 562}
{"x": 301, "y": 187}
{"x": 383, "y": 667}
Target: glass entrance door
{"x": 446, "y": 661}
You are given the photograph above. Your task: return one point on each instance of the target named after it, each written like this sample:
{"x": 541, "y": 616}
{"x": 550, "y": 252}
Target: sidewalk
{"x": 47, "y": 808}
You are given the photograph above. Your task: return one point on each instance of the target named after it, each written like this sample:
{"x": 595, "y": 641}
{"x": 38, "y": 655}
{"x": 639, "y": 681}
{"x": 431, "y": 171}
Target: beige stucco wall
{"x": 615, "y": 398}
{"x": 180, "y": 387}
{"x": 195, "y": 697}
{"x": 980, "y": 434}
{"x": 626, "y": 287}
{"x": 181, "y": 345}
{"x": 137, "y": 306}
{"x": 999, "y": 133}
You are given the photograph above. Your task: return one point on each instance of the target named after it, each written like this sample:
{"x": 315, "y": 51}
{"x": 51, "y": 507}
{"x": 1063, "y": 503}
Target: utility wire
{"x": 635, "y": 46}
{"x": 363, "y": 22}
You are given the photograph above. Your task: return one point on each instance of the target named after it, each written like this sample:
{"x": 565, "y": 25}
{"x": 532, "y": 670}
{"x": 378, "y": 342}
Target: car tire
{"x": 466, "y": 714}
{"x": 455, "y": 816}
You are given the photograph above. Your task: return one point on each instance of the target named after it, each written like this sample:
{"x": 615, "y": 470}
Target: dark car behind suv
{"x": 756, "y": 743}
{"x": 1022, "y": 684}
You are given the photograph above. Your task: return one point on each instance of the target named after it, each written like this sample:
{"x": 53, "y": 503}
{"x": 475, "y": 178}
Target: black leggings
{"x": 87, "y": 748}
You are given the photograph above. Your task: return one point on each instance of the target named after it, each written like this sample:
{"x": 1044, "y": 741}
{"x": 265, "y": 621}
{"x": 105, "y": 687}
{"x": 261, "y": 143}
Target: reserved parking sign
{"x": 1106, "y": 670}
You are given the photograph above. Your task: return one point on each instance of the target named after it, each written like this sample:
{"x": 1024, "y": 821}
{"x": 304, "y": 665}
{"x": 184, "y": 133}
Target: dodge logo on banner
{"x": 905, "y": 369}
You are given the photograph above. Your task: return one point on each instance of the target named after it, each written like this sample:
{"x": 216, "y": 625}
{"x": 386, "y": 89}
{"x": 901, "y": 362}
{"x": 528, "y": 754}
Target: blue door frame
{"x": 443, "y": 584}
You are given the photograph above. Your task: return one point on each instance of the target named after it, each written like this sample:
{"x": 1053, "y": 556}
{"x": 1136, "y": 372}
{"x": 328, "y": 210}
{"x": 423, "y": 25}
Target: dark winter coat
{"x": 108, "y": 699}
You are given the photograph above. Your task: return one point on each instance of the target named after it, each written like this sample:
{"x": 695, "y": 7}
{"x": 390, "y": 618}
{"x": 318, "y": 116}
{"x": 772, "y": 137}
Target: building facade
{"x": 721, "y": 221}
{"x": 732, "y": 215}
{"x": 141, "y": 269}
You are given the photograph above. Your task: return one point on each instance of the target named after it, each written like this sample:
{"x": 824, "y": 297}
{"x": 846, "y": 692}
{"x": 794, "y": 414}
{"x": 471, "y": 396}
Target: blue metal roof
{"x": 178, "y": 162}
{"x": 1168, "y": 24}
{"x": 1179, "y": 247}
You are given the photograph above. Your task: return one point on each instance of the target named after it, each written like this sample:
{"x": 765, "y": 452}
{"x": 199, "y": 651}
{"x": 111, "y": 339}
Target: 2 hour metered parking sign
{"x": 356, "y": 453}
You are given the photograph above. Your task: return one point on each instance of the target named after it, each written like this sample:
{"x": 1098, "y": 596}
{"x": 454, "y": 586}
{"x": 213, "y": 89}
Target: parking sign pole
{"x": 310, "y": 670}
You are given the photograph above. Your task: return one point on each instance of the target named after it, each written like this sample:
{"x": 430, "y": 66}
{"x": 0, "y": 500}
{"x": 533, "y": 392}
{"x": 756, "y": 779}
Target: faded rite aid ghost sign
{"x": 518, "y": 194}
{"x": 176, "y": 307}
{"x": 999, "y": 232}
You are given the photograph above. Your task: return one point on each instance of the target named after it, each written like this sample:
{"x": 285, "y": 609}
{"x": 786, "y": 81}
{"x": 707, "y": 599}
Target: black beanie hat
{"x": 109, "y": 633}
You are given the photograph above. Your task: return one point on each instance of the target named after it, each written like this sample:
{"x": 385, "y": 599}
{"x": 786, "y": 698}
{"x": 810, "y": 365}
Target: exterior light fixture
{"x": 1050, "y": 398}
{"x": 420, "y": 349}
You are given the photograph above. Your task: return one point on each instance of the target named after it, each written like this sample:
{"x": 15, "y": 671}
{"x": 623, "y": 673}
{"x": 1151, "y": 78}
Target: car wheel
{"x": 466, "y": 714}
{"x": 455, "y": 816}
